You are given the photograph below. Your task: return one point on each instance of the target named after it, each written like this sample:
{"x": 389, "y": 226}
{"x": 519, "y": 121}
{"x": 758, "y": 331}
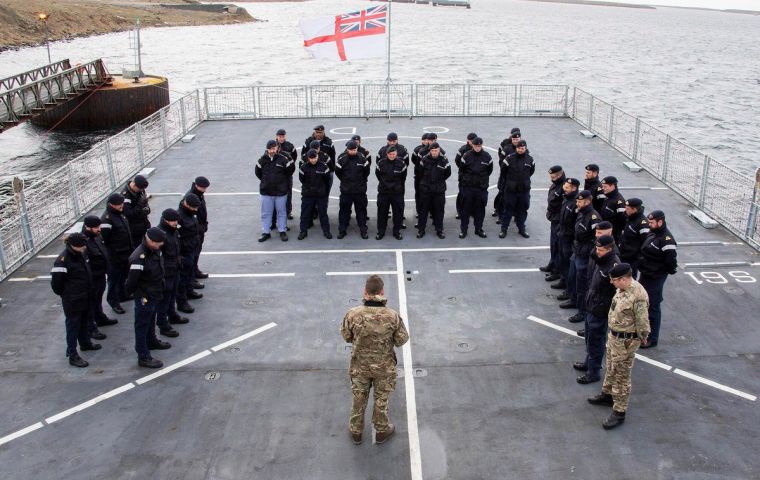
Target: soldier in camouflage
{"x": 374, "y": 330}
{"x": 628, "y": 326}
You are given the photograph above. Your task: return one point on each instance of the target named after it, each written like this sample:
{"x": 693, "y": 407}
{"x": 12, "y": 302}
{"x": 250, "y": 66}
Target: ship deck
{"x": 257, "y": 383}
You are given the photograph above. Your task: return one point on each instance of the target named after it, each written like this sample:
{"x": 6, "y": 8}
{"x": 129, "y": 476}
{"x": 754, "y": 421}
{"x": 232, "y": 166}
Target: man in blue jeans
{"x": 583, "y": 245}
{"x": 274, "y": 170}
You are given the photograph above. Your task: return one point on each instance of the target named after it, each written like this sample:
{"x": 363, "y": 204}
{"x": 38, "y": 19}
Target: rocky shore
{"x": 21, "y": 27}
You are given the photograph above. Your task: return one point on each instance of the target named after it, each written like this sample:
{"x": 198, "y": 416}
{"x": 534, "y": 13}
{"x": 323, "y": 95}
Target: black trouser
{"x": 385, "y": 201}
{"x": 202, "y": 237}
{"x": 460, "y": 211}
{"x": 596, "y": 337}
{"x": 634, "y": 263}
{"x": 474, "y": 202}
{"x": 516, "y": 205}
{"x": 555, "y": 248}
{"x": 76, "y": 329}
{"x": 96, "y": 316}
{"x": 308, "y": 205}
{"x": 165, "y": 310}
{"x": 565, "y": 254}
{"x": 186, "y": 277}
{"x": 417, "y": 195}
{"x": 117, "y": 275}
{"x": 435, "y": 203}
{"x": 498, "y": 202}
{"x": 289, "y": 203}
{"x": 359, "y": 202}
{"x": 145, "y": 326}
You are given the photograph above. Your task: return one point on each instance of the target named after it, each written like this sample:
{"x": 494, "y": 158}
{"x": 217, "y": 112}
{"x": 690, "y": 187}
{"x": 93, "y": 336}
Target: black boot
{"x": 561, "y": 285}
{"x": 577, "y": 318}
{"x": 76, "y": 361}
{"x": 614, "y": 420}
{"x": 546, "y": 268}
{"x": 184, "y": 307}
{"x": 552, "y": 277}
{"x": 603, "y": 399}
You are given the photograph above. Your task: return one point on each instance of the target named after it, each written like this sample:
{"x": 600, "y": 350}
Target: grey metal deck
{"x": 505, "y": 405}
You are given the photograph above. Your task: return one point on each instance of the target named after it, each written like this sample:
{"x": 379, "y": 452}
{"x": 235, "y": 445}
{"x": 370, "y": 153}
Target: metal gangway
{"x": 31, "y": 93}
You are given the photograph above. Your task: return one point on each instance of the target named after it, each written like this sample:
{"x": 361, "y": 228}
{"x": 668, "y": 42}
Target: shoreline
{"x": 20, "y": 27}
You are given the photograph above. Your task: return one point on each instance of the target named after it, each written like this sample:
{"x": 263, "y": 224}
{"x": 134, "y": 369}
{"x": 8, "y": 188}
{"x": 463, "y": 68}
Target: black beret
{"x": 392, "y": 136}
{"x": 315, "y": 144}
{"x": 434, "y": 145}
{"x": 584, "y": 194}
{"x": 522, "y": 143}
{"x": 515, "y": 130}
{"x": 605, "y": 241}
{"x": 426, "y": 136}
{"x": 555, "y": 169}
{"x": 116, "y": 199}
{"x": 77, "y": 240}
{"x": 477, "y": 141}
{"x": 141, "y": 182}
{"x": 433, "y": 136}
{"x": 91, "y": 221}
{"x": 610, "y": 180}
{"x": 391, "y": 149}
{"x": 656, "y": 215}
{"x": 156, "y": 234}
{"x": 472, "y": 136}
{"x": 170, "y": 215}
{"x": 592, "y": 167}
{"x": 319, "y": 128}
{"x": 281, "y": 131}
{"x": 573, "y": 181}
{"x": 634, "y": 202}
{"x": 312, "y": 153}
{"x": 356, "y": 138}
{"x": 619, "y": 270}
{"x": 605, "y": 225}
{"x": 352, "y": 145}
{"x": 192, "y": 200}
{"x": 271, "y": 143}
{"x": 202, "y": 182}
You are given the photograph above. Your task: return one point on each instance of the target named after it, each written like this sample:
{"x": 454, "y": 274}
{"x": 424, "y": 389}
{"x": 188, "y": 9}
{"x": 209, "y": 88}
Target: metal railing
{"x": 728, "y": 196}
{"x": 37, "y": 214}
{"x": 22, "y": 102}
{"x": 22, "y": 79}
{"x": 372, "y": 100}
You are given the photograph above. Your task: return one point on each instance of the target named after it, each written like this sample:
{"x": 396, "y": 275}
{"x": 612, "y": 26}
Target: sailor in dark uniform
{"x": 594, "y": 185}
{"x": 613, "y": 207}
{"x": 198, "y": 188}
{"x": 553, "y": 210}
{"x": 635, "y": 232}
{"x": 286, "y": 148}
{"x": 362, "y": 150}
{"x": 458, "y": 162}
{"x": 136, "y": 207}
{"x": 519, "y": 167}
{"x": 117, "y": 236}
{"x": 97, "y": 252}
{"x": 506, "y": 148}
{"x": 475, "y": 168}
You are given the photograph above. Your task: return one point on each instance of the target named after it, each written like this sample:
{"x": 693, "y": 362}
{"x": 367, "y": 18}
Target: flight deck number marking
{"x": 719, "y": 279}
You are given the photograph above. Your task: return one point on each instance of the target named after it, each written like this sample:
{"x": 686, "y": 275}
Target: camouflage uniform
{"x": 629, "y": 314}
{"x": 374, "y": 330}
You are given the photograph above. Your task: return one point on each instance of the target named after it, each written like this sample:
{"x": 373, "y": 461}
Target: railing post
{"x": 703, "y": 186}
{"x": 636, "y": 133}
{"x": 666, "y": 161}
{"x": 253, "y": 101}
{"x": 258, "y": 101}
{"x": 26, "y": 229}
{"x": 465, "y": 98}
{"x": 591, "y": 112}
{"x": 309, "y": 106}
{"x": 109, "y": 165}
{"x": 73, "y": 190}
{"x": 611, "y": 126}
{"x": 162, "y": 115}
{"x": 182, "y": 117}
{"x": 205, "y": 102}
{"x": 575, "y": 99}
{"x": 752, "y": 219}
{"x": 567, "y": 99}
{"x": 138, "y": 139}
{"x": 198, "y": 111}
{"x": 518, "y": 100}
{"x": 3, "y": 263}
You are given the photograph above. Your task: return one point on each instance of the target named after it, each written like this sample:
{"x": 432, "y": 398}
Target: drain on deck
{"x": 733, "y": 290}
{"x": 443, "y": 260}
{"x": 232, "y": 349}
{"x": 211, "y": 376}
{"x": 463, "y": 346}
{"x": 253, "y": 302}
{"x": 344, "y": 347}
{"x": 419, "y": 372}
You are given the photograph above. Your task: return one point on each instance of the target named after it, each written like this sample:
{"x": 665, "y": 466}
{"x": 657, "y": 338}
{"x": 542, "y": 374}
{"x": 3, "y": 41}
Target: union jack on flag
{"x": 347, "y": 36}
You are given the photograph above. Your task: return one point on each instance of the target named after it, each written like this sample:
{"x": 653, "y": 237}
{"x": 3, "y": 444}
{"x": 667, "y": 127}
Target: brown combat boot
{"x": 356, "y": 437}
{"x": 614, "y": 420}
{"x": 381, "y": 437}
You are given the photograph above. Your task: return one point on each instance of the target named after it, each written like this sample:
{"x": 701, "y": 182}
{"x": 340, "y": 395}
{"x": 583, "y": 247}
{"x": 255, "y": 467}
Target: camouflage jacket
{"x": 630, "y": 310}
{"x": 374, "y": 330}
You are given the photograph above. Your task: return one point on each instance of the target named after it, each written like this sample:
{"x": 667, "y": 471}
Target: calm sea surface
{"x": 695, "y": 74}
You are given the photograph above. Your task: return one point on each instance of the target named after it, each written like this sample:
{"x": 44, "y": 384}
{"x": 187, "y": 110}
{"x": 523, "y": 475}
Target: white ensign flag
{"x": 349, "y": 36}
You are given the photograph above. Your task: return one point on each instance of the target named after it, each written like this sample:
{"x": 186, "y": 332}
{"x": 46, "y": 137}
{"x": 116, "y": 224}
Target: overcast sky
{"x": 720, "y": 5}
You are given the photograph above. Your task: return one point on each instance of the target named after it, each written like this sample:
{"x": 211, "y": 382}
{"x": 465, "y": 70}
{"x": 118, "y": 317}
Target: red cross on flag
{"x": 349, "y": 36}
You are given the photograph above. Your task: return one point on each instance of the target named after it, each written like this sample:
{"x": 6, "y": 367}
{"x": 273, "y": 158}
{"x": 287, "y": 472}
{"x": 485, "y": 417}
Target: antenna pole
{"x": 388, "y": 62}
{"x": 138, "y": 53}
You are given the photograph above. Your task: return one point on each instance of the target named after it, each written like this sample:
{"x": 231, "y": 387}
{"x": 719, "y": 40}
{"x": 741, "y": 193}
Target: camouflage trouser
{"x": 360, "y": 386}
{"x": 619, "y": 362}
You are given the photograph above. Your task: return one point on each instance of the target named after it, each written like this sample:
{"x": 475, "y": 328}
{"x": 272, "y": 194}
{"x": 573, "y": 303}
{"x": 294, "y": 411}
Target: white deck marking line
{"x": 21, "y": 433}
{"x": 172, "y": 367}
{"x": 373, "y": 250}
{"x": 551, "y": 325}
{"x": 250, "y": 275}
{"x": 497, "y": 270}
{"x": 129, "y": 386}
{"x": 379, "y": 272}
{"x": 661, "y": 365}
{"x": 713, "y": 384}
{"x": 245, "y": 336}
{"x": 415, "y": 456}
{"x": 89, "y": 403}
{"x": 717, "y": 264}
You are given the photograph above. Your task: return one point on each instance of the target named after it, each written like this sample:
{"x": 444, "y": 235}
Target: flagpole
{"x": 388, "y": 62}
